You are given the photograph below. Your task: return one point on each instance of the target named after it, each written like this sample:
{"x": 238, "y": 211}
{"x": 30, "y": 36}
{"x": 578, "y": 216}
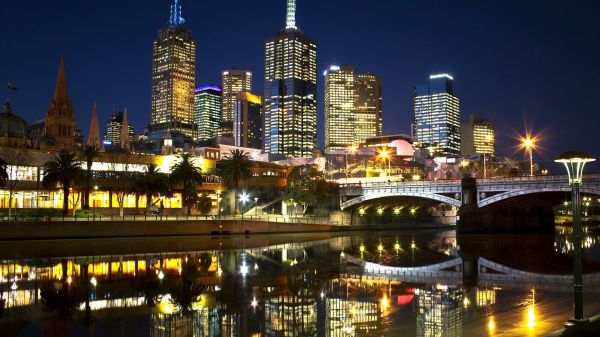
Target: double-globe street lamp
{"x": 574, "y": 162}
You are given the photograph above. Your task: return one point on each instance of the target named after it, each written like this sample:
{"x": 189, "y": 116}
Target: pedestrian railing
{"x": 164, "y": 218}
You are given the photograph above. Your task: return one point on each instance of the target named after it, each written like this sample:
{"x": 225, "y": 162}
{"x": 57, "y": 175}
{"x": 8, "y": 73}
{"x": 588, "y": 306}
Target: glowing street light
{"x": 574, "y": 162}
{"x": 384, "y": 154}
{"x": 528, "y": 144}
{"x": 93, "y": 281}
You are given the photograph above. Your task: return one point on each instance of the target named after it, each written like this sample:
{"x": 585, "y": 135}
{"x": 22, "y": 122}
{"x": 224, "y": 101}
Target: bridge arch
{"x": 520, "y": 192}
{"x": 430, "y": 196}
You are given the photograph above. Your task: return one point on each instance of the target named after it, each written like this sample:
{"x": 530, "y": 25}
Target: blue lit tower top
{"x": 175, "y": 18}
{"x": 290, "y": 20}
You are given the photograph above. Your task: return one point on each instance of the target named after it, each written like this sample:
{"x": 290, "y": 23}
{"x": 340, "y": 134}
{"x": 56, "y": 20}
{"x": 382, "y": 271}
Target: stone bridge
{"x": 489, "y": 191}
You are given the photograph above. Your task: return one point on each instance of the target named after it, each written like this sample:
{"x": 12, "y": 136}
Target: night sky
{"x": 530, "y": 63}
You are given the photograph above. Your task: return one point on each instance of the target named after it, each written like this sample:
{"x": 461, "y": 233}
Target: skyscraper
{"x": 353, "y": 106}
{"x": 59, "y": 129}
{"x": 173, "y": 79}
{"x": 290, "y": 96}
{"x": 477, "y": 137}
{"x": 339, "y": 107}
{"x": 437, "y": 116}
{"x": 114, "y": 130}
{"x": 248, "y": 120}
{"x": 235, "y": 82}
{"x": 208, "y": 111}
{"x": 369, "y": 106}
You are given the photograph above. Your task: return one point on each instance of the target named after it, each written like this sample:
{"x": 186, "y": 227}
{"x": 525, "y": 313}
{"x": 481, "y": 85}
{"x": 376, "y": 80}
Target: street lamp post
{"x": 219, "y": 204}
{"x": 529, "y": 144}
{"x": 385, "y": 155}
{"x": 256, "y": 206}
{"x": 574, "y": 162}
{"x": 243, "y": 199}
{"x": 488, "y": 139}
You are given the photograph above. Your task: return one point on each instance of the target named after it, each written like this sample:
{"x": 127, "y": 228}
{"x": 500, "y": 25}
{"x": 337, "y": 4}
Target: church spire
{"x": 60, "y": 90}
{"x": 124, "y": 137}
{"x": 290, "y": 22}
{"x": 94, "y": 133}
{"x": 175, "y": 19}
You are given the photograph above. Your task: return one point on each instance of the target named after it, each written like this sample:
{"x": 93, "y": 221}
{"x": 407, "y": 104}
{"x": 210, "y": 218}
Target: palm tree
{"x": 3, "y": 172}
{"x": 152, "y": 183}
{"x": 189, "y": 176}
{"x": 235, "y": 168}
{"x": 88, "y": 154}
{"x": 62, "y": 170}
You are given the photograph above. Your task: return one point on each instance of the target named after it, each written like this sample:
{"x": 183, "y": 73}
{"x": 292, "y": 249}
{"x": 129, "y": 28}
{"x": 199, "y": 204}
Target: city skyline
{"x": 529, "y": 91}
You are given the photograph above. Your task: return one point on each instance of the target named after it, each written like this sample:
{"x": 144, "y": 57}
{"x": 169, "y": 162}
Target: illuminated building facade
{"x": 347, "y": 317}
{"x": 478, "y": 137}
{"x": 368, "y": 107}
{"x": 290, "y": 96}
{"x": 235, "y": 82}
{"x": 112, "y": 136}
{"x": 208, "y": 111}
{"x": 59, "y": 129}
{"x": 248, "y": 120}
{"x": 173, "y": 79}
{"x": 437, "y": 116}
{"x": 353, "y": 106}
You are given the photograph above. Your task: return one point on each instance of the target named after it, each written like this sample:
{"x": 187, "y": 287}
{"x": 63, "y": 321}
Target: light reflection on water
{"x": 365, "y": 284}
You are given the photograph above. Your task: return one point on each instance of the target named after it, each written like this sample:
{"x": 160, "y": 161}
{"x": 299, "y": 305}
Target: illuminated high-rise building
{"x": 339, "y": 107}
{"x": 208, "y": 111}
{"x": 353, "y": 106}
{"x": 173, "y": 79}
{"x": 248, "y": 120}
{"x": 437, "y": 116}
{"x": 477, "y": 137}
{"x": 290, "y": 96}
{"x": 234, "y": 82}
{"x": 114, "y": 130}
{"x": 369, "y": 106}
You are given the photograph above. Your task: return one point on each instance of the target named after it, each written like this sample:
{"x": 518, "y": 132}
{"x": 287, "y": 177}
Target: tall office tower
{"x": 173, "y": 79}
{"x": 235, "y": 82}
{"x": 208, "y": 111}
{"x": 59, "y": 126}
{"x": 339, "y": 107}
{"x": 114, "y": 130}
{"x": 437, "y": 116}
{"x": 353, "y": 106}
{"x": 477, "y": 137}
{"x": 369, "y": 106}
{"x": 248, "y": 121}
{"x": 290, "y": 97}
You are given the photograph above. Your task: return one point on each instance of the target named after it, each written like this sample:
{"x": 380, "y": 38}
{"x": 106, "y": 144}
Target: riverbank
{"x": 56, "y": 230}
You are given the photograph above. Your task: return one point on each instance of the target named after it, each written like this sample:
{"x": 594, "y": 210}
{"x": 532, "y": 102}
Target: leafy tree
{"x": 186, "y": 174}
{"x": 18, "y": 164}
{"x": 88, "y": 154}
{"x": 307, "y": 186}
{"x": 235, "y": 168}
{"x": 62, "y": 170}
{"x": 204, "y": 204}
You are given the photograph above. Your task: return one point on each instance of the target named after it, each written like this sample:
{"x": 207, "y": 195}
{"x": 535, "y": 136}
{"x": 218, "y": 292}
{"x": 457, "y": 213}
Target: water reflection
{"x": 417, "y": 284}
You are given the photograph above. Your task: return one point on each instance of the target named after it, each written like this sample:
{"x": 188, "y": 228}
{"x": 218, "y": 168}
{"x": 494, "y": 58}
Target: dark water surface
{"x": 394, "y": 283}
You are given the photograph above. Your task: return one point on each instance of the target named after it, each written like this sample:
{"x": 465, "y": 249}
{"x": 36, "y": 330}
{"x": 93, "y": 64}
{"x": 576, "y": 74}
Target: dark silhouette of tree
{"x": 63, "y": 170}
{"x": 186, "y": 174}
{"x": 88, "y": 154}
{"x": 234, "y": 169}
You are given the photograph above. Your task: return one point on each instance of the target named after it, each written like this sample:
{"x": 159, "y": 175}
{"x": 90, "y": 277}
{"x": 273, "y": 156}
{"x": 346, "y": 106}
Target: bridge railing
{"x": 402, "y": 183}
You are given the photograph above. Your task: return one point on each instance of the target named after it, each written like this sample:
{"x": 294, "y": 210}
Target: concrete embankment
{"x": 116, "y": 229}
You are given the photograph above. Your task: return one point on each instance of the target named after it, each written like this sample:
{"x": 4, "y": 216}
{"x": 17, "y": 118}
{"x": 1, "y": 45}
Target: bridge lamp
{"x": 574, "y": 162}
{"x": 528, "y": 144}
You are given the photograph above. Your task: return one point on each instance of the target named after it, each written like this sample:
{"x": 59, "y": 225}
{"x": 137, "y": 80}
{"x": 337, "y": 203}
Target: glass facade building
{"x": 290, "y": 96}
{"x": 208, "y": 111}
{"x": 173, "y": 79}
{"x": 353, "y": 106}
{"x": 437, "y": 116}
{"x": 248, "y": 121}
{"x": 478, "y": 137}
